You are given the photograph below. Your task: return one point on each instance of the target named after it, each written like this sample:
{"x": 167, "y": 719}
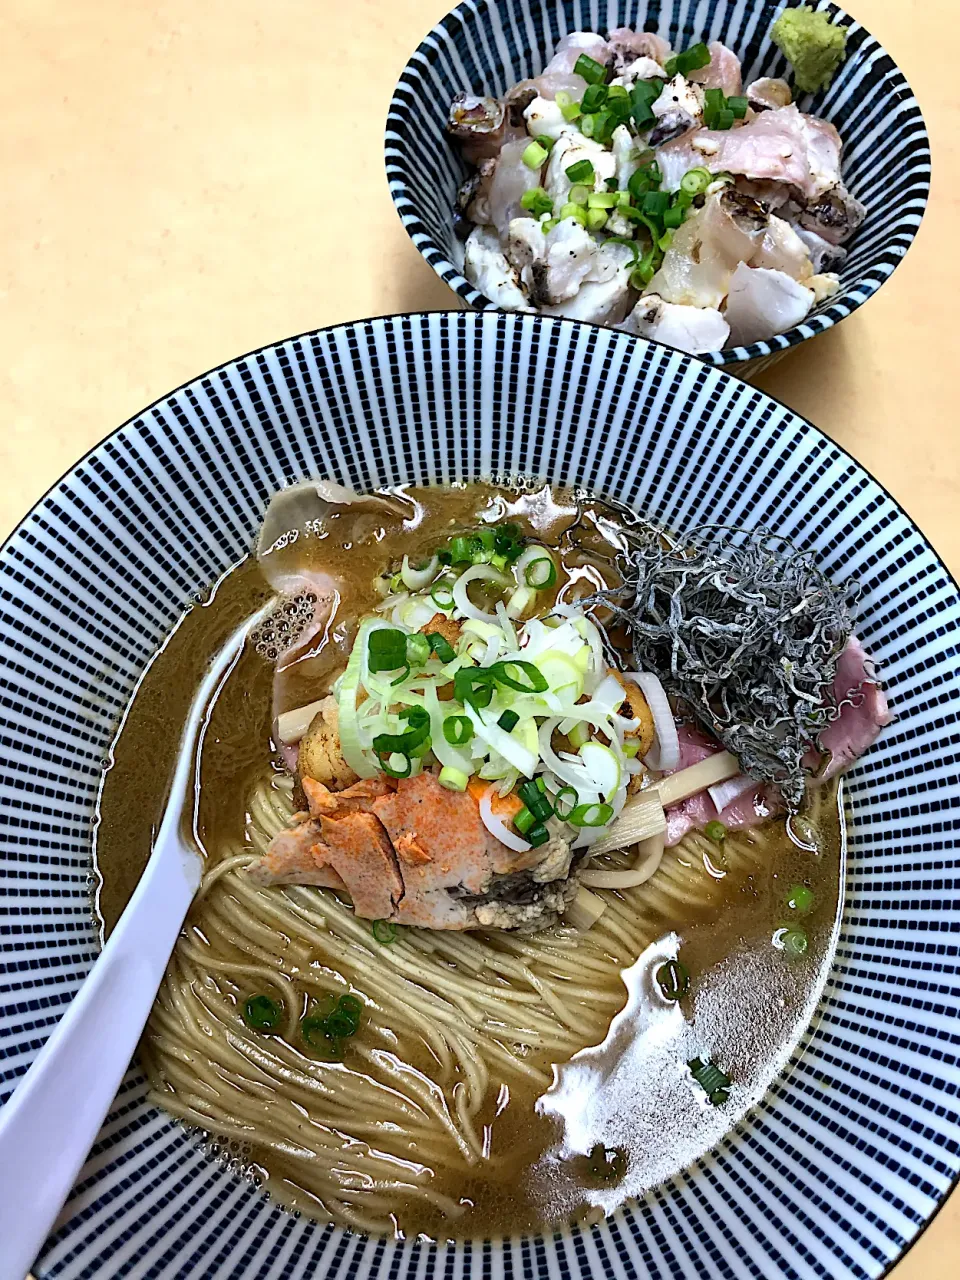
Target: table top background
{"x": 184, "y": 182}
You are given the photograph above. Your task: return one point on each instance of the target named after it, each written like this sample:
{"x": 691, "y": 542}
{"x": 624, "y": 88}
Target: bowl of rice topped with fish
{"x": 728, "y": 189}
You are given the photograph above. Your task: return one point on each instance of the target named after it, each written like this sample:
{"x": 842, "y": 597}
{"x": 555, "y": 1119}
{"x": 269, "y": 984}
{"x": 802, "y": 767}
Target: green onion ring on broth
{"x": 402, "y": 1079}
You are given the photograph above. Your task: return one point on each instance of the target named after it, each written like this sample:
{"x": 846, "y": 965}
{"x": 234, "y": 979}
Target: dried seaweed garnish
{"x": 747, "y": 631}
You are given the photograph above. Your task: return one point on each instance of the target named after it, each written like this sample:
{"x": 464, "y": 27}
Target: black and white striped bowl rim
{"x": 854, "y": 1148}
{"x": 490, "y": 45}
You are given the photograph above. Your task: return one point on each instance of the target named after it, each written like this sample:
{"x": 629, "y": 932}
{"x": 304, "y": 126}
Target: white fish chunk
{"x": 568, "y": 151}
{"x": 780, "y": 146}
{"x": 640, "y": 69}
{"x": 692, "y": 329}
{"x": 769, "y": 93}
{"x": 545, "y": 119}
{"x": 762, "y": 303}
{"x": 485, "y": 265}
{"x": 555, "y": 265}
{"x": 511, "y": 179}
{"x": 570, "y": 48}
{"x": 708, "y": 248}
{"x": 721, "y": 72}
{"x": 782, "y": 249}
{"x": 678, "y": 109}
{"x": 834, "y": 215}
{"x": 605, "y": 295}
{"x": 825, "y": 285}
{"x": 626, "y": 153}
{"x": 627, "y": 45}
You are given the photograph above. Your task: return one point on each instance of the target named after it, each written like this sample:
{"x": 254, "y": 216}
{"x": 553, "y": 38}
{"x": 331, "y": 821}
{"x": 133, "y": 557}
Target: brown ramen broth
{"x": 497, "y": 1083}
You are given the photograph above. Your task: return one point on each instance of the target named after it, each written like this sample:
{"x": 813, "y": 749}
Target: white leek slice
{"x": 707, "y": 773}
{"x": 561, "y": 673}
{"x": 348, "y": 725}
{"x": 602, "y": 765}
{"x": 512, "y": 750}
{"x": 724, "y": 793}
{"x": 497, "y": 827}
{"x": 417, "y": 579}
{"x": 478, "y": 573}
{"x": 666, "y": 753}
{"x": 292, "y": 725}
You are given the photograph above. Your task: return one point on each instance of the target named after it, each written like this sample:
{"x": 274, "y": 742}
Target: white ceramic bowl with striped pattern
{"x": 856, "y": 1145}
{"x": 489, "y": 46}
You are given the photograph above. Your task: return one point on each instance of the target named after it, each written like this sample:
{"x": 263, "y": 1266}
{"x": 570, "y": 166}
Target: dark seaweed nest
{"x": 746, "y": 630}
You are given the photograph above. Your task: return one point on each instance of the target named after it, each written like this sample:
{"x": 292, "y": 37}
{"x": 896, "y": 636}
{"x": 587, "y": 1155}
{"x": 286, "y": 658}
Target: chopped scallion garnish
{"x": 384, "y": 932}
{"x": 508, "y": 721}
{"x": 582, "y": 171}
{"x": 673, "y": 980}
{"x": 452, "y": 778}
{"x": 262, "y": 1014}
{"x": 565, "y": 801}
{"x": 800, "y": 899}
{"x": 457, "y": 730}
{"x": 590, "y": 815}
{"x": 714, "y": 1082}
{"x": 441, "y": 646}
{"x": 534, "y": 156}
{"x": 590, "y": 70}
{"x": 715, "y": 831}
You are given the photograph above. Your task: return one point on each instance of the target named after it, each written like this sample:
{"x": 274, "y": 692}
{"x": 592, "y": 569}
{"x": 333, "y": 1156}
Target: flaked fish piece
{"x": 544, "y": 119}
{"x": 319, "y": 755}
{"x": 721, "y": 72}
{"x": 697, "y": 268}
{"x": 553, "y": 266}
{"x": 569, "y": 49}
{"x": 322, "y": 802}
{"x": 476, "y": 123}
{"x": 640, "y": 69}
{"x": 605, "y": 295}
{"x": 769, "y": 93}
{"x": 678, "y": 110}
{"x": 692, "y": 329}
{"x": 835, "y": 215}
{"x": 627, "y": 45}
{"x": 485, "y": 265}
{"x": 568, "y": 151}
{"x": 510, "y": 182}
{"x": 781, "y": 145}
{"x": 291, "y": 859}
{"x": 782, "y": 249}
{"x": 762, "y": 303}
{"x": 626, "y": 153}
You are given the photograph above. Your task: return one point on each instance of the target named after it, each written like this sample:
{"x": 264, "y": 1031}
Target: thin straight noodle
{"x": 461, "y": 1013}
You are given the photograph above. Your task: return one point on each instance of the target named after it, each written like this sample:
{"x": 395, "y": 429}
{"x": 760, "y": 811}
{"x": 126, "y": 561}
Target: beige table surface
{"x": 184, "y": 181}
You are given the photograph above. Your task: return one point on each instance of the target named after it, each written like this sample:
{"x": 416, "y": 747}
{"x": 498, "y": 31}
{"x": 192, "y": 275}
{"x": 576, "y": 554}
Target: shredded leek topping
{"x": 533, "y": 706}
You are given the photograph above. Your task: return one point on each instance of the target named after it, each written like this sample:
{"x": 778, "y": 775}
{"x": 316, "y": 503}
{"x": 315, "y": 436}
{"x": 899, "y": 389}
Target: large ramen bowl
{"x": 854, "y": 1147}
{"x": 491, "y": 46}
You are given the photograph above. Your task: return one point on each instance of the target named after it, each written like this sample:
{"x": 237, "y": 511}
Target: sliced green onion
{"x": 565, "y": 801}
{"x": 655, "y": 203}
{"x": 418, "y": 650}
{"x": 519, "y": 675}
{"x": 445, "y": 557}
{"x": 534, "y": 156}
{"x": 441, "y": 646}
{"x": 611, "y": 184}
{"x": 801, "y": 899}
{"x": 795, "y": 942}
{"x": 714, "y": 1082}
{"x": 524, "y": 821}
{"x": 453, "y": 779}
{"x": 673, "y": 218}
{"x": 441, "y": 593}
{"x": 593, "y": 99}
{"x": 723, "y": 119}
{"x": 588, "y": 69}
{"x": 396, "y": 771}
{"x": 617, "y": 91}
{"x": 461, "y": 550}
{"x": 570, "y": 111}
{"x": 314, "y": 1032}
{"x": 457, "y": 730}
{"x": 536, "y": 567}
{"x": 631, "y": 747}
{"x": 596, "y": 221}
{"x": 590, "y": 815}
{"x": 351, "y": 1005}
{"x": 603, "y": 200}
{"x": 537, "y": 202}
{"x": 695, "y": 181}
{"x": 715, "y": 831}
{"x": 604, "y": 123}
{"x": 384, "y": 932}
{"x": 538, "y": 835}
{"x": 386, "y": 649}
{"x": 474, "y": 686}
{"x": 579, "y": 195}
{"x": 508, "y": 721}
{"x": 562, "y": 98}
{"x": 418, "y": 719}
{"x": 587, "y": 125}
{"x": 574, "y": 211}
{"x": 738, "y": 106}
{"x": 647, "y": 90}
{"x": 508, "y": 540}
{"x": 261, "y": 1013}
{"x": 692, "y": 59}
{"x": 673, "y": 980}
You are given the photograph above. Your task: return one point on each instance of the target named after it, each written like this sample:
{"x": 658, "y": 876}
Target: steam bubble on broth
{"x": 437, "y": 1118}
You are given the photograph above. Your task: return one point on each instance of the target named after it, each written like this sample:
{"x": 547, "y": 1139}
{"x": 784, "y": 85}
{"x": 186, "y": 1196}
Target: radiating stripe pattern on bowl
{"x": 851, "y": 1152}
{"x": 491, "y": 45}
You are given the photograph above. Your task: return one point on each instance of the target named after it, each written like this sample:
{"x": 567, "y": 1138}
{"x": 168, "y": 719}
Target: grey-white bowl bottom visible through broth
{"x": 414, "y": 997}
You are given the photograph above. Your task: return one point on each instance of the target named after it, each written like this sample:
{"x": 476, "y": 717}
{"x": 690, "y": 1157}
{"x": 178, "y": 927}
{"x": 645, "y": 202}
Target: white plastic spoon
{"x": 50, "y": 1123}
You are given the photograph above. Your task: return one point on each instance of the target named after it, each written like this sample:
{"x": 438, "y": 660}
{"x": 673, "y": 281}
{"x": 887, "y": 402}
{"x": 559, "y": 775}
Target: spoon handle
{"x": 52, "y": 1119}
